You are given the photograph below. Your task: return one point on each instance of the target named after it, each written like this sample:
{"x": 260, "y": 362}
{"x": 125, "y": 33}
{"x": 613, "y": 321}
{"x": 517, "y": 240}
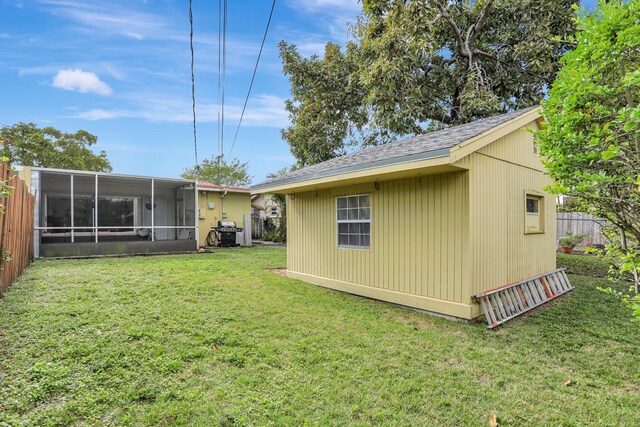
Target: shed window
{"x": 353, "y": 217}
{"x": 534, "y": 218}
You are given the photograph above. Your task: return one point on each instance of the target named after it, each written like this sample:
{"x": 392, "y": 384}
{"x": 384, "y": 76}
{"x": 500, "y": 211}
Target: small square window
{"x": 534, "y": 214}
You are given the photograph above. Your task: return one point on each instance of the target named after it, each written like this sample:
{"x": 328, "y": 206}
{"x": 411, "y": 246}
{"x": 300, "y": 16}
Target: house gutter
{"x": 369, "y": 169}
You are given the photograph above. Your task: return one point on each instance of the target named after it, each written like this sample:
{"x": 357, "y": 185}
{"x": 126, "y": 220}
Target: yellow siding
{"x": 436, "y": 240}
{"x": 234, "y": 206}
{"x": 516, "y": 147}
{"x": 419, "y": 238}
{"x": 500, "y": 175}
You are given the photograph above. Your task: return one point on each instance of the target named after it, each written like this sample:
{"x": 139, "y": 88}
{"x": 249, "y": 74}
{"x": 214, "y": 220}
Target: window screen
{"x": 116, "y": 211}
{"x": 354, "y": 221}
{"x": 58, "y": 212}
{"x": 533, "y": 205}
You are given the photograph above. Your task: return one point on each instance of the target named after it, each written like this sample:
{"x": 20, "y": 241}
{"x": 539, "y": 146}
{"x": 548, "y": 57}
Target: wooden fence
{"x": 257, "y": 226}
{"x": 581, "y": 223}
{"x": 16, "y": 228}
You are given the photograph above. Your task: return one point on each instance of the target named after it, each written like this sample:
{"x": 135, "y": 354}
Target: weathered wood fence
{"x": 257, "y": 226}
{"x": 16, "y": 228}
{"x": 581, "y": 223}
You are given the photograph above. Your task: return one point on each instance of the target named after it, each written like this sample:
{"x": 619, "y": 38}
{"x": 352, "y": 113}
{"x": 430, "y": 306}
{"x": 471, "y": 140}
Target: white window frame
{"x": 348, "y": 221}
{"x": 540, "y": 214}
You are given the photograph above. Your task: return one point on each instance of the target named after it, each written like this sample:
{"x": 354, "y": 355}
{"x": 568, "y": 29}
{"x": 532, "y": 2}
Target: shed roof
{"x": 430, "y": 145}
{"x": 207, "y": 186}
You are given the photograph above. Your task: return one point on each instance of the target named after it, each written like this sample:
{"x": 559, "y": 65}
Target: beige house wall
{"x": 232, "y": 207}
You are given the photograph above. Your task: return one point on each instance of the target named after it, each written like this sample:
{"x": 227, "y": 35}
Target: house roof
{"x": 206, "y": 186}
{"x": 101, "y": 174}
{"x": 421, "y": 147}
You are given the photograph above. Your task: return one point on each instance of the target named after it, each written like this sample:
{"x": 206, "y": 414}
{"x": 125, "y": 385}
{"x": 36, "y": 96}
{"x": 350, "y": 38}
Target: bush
{"x": 277, "y": 236}
{"x": 586, "y": 265}
{"x": 572, "y": 240}
{"x": 269, "y": 226}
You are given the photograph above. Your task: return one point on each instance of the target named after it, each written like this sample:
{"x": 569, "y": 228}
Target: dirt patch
{"x": 280, "y": 271}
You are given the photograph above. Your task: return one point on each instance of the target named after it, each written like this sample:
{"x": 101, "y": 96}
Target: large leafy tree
{"x": 592, "y": 138}
{"x": 218, "y": 171}
{"x": 29, "y": 145}
{"x": 419, "y": 65}
{"x": 326, "y": 108}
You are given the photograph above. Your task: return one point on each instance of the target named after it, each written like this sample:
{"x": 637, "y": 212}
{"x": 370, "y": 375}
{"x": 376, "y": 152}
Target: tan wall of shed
{"x": 435, "y": 240}
{"x": 231, "y": 207}
{"x": 499, "y": 177}
{"x": 419, "y": 243}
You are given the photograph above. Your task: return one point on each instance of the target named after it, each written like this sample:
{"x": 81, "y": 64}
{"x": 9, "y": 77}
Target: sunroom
{"x": 80, "y": 213}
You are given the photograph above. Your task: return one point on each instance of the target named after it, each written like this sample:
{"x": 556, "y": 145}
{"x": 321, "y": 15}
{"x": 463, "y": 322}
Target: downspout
{"x": 222, "y": 205}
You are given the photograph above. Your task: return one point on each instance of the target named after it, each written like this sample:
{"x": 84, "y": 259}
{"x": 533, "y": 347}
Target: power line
{"x": 224, "y": 72}
{"x": 219, "y": 62}
{"x": 193, "y": 84}
{"x": 255, "y": 69}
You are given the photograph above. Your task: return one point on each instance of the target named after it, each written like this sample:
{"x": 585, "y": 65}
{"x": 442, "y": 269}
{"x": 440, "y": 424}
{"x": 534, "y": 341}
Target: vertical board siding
{"x": 444, "y": 236}
{"x": 418, "y": 237}
{"x": 500, "y": 174}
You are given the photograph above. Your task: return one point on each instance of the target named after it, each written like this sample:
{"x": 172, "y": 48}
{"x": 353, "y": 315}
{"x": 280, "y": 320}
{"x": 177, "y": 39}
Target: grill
{"x": 226, "y": 231}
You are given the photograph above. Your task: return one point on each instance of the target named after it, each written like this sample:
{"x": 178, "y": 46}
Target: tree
{"x": 592, "y": 137}
{"x": 281, "y": 202}
{"x": 29, "y": 145}
{"x": 327, "y": 103}
{"x": 417, "y": 66}
{"x": 218, "y": 171}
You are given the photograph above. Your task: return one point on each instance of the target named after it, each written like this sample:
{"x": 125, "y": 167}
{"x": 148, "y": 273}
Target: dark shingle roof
{"x": 434, "y": 144}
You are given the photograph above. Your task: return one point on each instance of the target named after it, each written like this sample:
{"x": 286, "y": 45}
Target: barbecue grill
{"x": 227, "y": 231}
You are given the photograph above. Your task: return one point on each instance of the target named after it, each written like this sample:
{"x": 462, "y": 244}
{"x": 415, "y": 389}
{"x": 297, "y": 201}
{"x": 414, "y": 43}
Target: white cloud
{"x": 262, "y": 111}
{"x": 81, "y": 81}
{"x": 113, "y": 70}
{"x": 328, "y": 6}
{"x": 110, "y": 18}
{"x": 311, "y": 48}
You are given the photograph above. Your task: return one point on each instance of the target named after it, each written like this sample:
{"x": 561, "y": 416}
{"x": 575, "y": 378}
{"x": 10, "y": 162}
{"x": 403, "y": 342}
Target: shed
{"x": 427, "y": 222}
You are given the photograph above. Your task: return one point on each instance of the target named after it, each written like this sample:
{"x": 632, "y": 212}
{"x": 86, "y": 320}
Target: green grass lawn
{"x": 589, "y": 265}
{"x": 217, "y": 339}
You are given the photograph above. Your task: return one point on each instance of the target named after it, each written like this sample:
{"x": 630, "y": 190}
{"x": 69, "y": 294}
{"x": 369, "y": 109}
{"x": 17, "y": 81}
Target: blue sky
{"x": 120, "y": 70}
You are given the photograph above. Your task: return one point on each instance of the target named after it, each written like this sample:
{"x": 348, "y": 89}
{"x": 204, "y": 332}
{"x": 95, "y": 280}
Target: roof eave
{"x": 344, "y": 176}
{"x": 222, "y": 190}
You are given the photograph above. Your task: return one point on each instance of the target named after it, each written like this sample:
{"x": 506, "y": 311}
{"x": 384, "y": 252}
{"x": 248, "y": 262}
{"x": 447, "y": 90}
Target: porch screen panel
{"x": 121, "y": 208}
{"x": 84, "y": 188}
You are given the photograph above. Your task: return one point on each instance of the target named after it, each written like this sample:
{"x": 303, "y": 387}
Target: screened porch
{"x": 87, "y": 213}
